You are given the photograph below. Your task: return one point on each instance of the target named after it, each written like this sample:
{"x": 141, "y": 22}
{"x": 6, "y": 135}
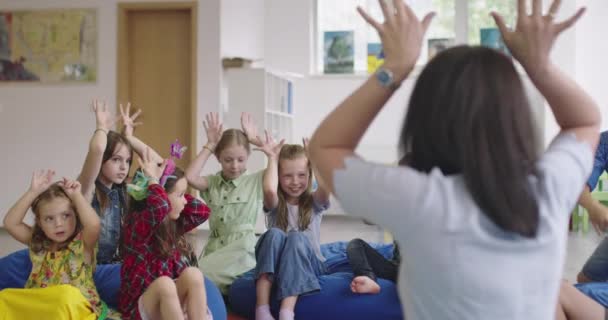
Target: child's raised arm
{"x": 530, "y": 43}
{"x": 91, "y": 225}
{"x": 271, "y": 174}
{"x": 214, "y": 130}
{"x": 92, "y": 164}
{"x": 13, "y": 221}
{"x": 195, "y": 213}
{"x": 337, "y": 137}
{"x": 129, "y": 126}
{"x": 321, "y": 195}
{"x": 157, "y": 202}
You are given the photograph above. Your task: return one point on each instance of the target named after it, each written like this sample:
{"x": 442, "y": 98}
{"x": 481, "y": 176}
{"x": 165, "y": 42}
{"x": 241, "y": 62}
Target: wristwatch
{"x": 386, "y": 78}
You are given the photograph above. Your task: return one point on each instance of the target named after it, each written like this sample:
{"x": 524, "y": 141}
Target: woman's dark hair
{"x": 469, "y": 114}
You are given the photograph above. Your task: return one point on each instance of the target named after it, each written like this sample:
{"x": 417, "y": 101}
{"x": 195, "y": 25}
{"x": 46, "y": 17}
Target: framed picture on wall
{"x": 437, "y": 45}
{"x": 339, "y": 52}
{"x": 375, "y": 57}
{"x": 491, "y": 38}
{"x": 55, "y": 45}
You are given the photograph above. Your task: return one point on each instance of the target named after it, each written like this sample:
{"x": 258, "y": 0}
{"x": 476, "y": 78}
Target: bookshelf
{"x": 268, "y": 97}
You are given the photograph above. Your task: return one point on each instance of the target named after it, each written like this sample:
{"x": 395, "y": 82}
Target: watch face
{"x": 384, "y": 77}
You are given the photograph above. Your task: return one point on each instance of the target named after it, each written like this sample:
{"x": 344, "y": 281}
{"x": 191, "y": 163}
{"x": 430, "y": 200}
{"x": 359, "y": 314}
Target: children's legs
{"x": 262, "y": 290}
{"x": 160, "y": 300}
{"x": 267, "y": 252}
{"x": 364, "y": 284}
{"x": 191, "y": 291}
{"x": 367, "y": 263}
{"x": 289, "y": 302}
{"x": 288, "y": 306}
{"x": 559, "y": 313}
{"x": 299, "y": 269}
{"x": 573, "y": 305}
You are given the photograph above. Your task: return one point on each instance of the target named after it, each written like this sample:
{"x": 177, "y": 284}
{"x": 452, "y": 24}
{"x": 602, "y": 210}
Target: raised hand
{"x": 251, "y": 129}
{"x": 401, "y": 34}
{"x": 534, "y": 34}
{"x": 41, "y": 180}
{"x": 128, "y": 119}
{"x": 70, "y": 187}
{"x": 213, "y": 128}
{"x": 270, "y": 147}
{"x": 150, "y": 167}
{"x": 103, "y": 117}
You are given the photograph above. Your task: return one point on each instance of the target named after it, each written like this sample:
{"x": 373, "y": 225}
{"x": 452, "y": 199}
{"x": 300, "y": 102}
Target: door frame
{"x": 122, "y": 65}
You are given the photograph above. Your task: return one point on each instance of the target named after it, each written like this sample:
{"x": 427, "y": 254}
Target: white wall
{"x": 49, "y": 126}
{"x": 581, "y": 54}
{"x": 563, "y": 55}
{"x": 242, "y": 28}
{"x": 315, "y": 97}
{"x": 288, "y": 35}
{"x": 591, "y": 60}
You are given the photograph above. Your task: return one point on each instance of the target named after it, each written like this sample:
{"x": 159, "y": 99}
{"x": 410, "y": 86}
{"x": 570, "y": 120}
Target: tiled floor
{"x": 580, "y": 247}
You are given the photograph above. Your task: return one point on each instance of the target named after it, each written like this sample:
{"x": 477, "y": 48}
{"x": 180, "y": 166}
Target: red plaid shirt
{"x": 142, "y": 263}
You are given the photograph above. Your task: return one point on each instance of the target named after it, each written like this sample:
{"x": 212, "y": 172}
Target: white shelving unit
{"x": 268, "y": 97}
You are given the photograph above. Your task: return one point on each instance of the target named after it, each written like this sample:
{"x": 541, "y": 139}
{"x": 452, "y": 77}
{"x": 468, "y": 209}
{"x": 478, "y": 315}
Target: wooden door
{"x": 157, "y": 73}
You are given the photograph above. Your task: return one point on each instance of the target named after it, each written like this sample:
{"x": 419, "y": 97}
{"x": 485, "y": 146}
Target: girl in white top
{"x": 480, "y": 217}
{"x": 288, "y": 255}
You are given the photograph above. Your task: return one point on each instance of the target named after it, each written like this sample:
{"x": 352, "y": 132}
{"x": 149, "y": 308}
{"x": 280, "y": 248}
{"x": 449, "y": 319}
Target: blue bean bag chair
{"x": 335, "y": 300}
{"x": 16, "y": 267}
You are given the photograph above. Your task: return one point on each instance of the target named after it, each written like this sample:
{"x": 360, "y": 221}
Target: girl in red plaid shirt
{"x": 156, "y": 279}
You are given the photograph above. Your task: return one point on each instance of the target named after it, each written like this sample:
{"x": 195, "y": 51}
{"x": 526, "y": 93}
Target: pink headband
{"x": 177, "y": 151}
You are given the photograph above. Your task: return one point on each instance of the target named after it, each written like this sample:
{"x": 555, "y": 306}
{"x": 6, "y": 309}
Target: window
{"x": 479, "y": 16}
{"x": 449, "y": 25}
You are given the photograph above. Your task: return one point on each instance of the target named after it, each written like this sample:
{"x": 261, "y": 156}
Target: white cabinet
{"x": 268, "y": 97}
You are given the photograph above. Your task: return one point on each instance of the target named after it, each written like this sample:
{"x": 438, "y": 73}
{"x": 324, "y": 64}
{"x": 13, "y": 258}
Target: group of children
{"x": 106, "y": 217}
{"x": 479, "y": 215}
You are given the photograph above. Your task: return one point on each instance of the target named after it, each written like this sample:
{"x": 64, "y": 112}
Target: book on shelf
{"x": 289, "y": 97}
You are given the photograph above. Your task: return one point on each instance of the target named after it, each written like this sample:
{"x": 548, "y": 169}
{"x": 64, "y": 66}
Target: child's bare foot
{"x": 364, "y": 284}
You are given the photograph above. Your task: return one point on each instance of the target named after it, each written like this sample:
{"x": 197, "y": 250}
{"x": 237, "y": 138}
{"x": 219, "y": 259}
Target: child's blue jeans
{"x": 290, "y": 262}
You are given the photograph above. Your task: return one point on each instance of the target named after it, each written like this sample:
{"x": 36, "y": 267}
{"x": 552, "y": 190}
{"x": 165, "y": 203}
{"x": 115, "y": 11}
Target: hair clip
{"x": 177, "y": 151}
{"x": 138, "y": 189}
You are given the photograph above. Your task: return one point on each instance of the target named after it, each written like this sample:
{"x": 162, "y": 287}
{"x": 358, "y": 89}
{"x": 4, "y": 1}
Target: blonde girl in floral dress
{"x": 63, "y": 245}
